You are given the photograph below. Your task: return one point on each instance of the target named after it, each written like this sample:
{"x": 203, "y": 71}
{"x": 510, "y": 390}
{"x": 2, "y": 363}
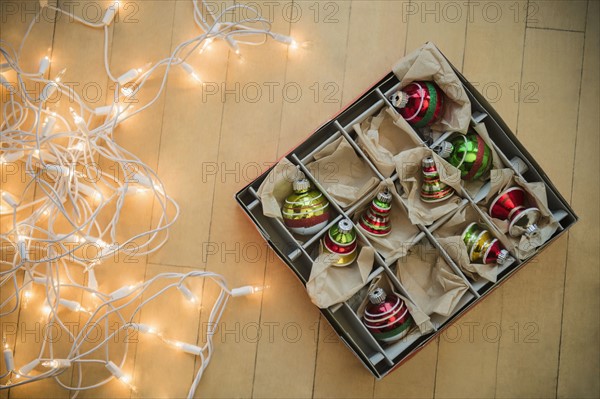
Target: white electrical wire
{"x": 62, "y": 211}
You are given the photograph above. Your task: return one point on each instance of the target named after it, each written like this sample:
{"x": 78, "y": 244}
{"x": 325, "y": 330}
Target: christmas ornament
{"x": 469, "y": 153}
{"x": 482, "y": 246}
{"x": 341, "y": 240}
{"x": 512, "y": 205}
{"x": 387, "y": 317}
{"x": 433, "y": 189}
{"x": 420, "y": 103}
{"x": 305, "y": 211}
{"x": 376, "y": 219}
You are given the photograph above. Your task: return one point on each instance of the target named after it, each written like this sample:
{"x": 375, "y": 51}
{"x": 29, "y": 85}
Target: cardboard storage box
{"x": 299, "y": 253}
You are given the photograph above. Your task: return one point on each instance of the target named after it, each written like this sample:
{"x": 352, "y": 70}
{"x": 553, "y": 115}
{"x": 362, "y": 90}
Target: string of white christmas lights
{"x": 63, "y": 210}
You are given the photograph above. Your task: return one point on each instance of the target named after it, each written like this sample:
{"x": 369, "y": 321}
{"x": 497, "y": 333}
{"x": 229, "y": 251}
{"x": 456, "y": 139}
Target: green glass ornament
{"x": 341, "y": 240}
{"x": 469, "y": 153}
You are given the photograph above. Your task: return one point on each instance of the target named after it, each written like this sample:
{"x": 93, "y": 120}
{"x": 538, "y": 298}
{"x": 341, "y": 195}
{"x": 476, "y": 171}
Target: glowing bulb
{"x": 110, "y": 13}
{"x": 57, "y": 364}
{"x": 294, "y": 45}
{"x": 185, "y": 347}
{"x": 144, "y": 328}
{"x": 191, "y": 71}
{"x": 8, "y": 199}
{"x": 28, "y": 294}
{"x": 71, "y": 305}
{"x": 246, "y": 290}
{"x": 9, "y": 360}
{"x": 44, "y": 64}
{"x": 25, "y": 370}
{"x": 123, "y": 291}
{"x": 46, "y": 310}
{"x": 76, "y": 117}
{"x": 127, "y": 91}
{"x": 206, "y": 45}
{"x": 257, "y": 288}
{"x": 119, "y": 374}
{"x": 78, "y": 147}
{"x": 12, "y": 156}
{"x": 187, "y": 293}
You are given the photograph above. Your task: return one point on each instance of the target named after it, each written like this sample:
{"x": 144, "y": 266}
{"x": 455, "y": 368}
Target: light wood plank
{"x": 579, "y": 364}
{"x": 530, "y": 369}
{"x": 414, "y": 379}
{"x": 555, "y": 14}
{"x": 443, "y": 23}
{"x": 496, "y": 71}
{"x": 247, "y": 112}
{"x": 531, "y": 310}
{"x": 552, "y": 64}
{"x": 338, "y": 373}
{"x": 189, "y": 144}
{"x": 313, "y": 95}
{"x": 468, "y": 351}
{"x": 288, "y": 347}
{"x": 363, "y": 65}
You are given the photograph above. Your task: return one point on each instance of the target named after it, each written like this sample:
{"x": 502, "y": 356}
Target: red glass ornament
{"x": 387, "y": 317}
{"x": 512, "y": 205}
{"x": 420, "y": 103}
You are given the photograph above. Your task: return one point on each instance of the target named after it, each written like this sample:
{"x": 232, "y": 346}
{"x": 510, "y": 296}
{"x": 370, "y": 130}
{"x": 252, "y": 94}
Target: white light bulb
{"x": 187, "y": 293}
{"x": 44, "y": 64}
{"x": 79, "y": 121}
{"x": 206, "y": 45}
{"x": 71, "y": 305}
{"x": 233, "y": 44}
{"x": 110, "y": 13}
{"x": 119, "y": 374}
{"x": 11, "y": 156}
{"x": 28, "y": 368}
{"x": 123, "y": 291}
{"x": 59, "y": 75}
{"x": 128, "y": 76}
{"x": 191, "y": 71}
{"x": 188, "y": 348}
{"x": 57, "y": 363}
{"x": 8, "y": 199}
{"x": 144, "y": 328}
{"x": 48, "y": 125}
{"x": 9, "y": 360}
{"x": 246, "y": 290}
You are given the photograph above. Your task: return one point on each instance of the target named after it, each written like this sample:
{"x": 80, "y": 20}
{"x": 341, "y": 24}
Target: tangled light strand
{"x": 67, "y": 206}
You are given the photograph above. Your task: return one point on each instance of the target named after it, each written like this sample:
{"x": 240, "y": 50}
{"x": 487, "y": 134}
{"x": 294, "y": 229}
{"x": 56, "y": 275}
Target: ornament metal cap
{"x": 399, "y": 99}
{"x": 301, "y": 184}
{"x": 502, "y": 256}
{"x": 384, "y": 196}
{"x": 428, "y": 162}
{"x": 345, "y": 226}
{"x": 376, "y": 296}
{"x": 532, "y": 229}
{"x": 444, "y": 149}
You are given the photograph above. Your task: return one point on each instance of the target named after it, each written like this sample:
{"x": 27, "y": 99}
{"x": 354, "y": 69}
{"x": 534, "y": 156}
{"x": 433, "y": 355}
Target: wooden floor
{"x": 542, "y": 75}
